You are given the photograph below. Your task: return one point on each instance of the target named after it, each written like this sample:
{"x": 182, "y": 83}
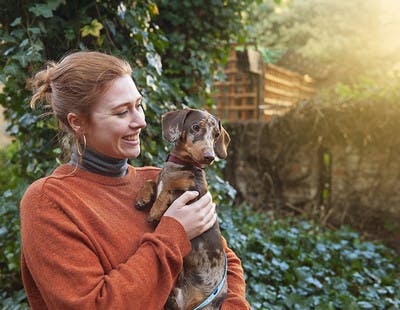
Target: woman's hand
{"x": 196, "y": 217}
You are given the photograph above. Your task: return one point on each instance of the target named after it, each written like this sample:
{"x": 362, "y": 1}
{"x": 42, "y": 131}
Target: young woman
{"x": 84, "y": 245}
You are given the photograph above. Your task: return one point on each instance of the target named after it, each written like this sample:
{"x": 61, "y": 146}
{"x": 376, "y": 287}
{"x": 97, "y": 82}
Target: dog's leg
{"x": 146, "y": 195}
{"x": 159, "y": 207}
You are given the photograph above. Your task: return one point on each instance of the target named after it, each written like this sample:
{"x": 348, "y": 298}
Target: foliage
{"x": 295, "y": 264}
{"x": 10, "y": 283}
{"x": 195, "y": 39}
{"x": 367, "y": 88}
{"x": 360, "y": 114}
{"x": 336, "y": 40}
{"x": 32, "y": 32}
{"x": 9, "y": 172}
{"x": 12, "y": 187}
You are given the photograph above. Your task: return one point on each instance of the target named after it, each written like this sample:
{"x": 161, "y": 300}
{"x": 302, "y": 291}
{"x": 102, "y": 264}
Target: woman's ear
{"x": 76, "y": 123}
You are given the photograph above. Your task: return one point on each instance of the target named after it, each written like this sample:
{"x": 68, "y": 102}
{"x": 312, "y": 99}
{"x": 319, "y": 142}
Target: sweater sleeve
{"x": 64, "y": 266}
{"x": 236, "y": 299}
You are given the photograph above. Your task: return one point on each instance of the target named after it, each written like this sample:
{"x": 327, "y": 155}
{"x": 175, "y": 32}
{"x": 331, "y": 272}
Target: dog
{"x": 198, "y": 138}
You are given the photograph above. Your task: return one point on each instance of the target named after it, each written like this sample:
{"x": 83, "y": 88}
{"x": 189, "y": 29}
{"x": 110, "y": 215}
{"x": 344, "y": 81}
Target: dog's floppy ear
{"x": 172, "y": 124}
{"x": 221, "y": 144}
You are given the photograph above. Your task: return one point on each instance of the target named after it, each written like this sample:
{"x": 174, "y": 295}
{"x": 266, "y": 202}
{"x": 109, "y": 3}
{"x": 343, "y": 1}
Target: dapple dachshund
{"x": 198, "y": 138}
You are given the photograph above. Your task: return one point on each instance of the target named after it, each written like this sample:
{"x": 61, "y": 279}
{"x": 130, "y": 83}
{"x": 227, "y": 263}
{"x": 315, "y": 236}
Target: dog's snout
{"x": 209, "y": 156}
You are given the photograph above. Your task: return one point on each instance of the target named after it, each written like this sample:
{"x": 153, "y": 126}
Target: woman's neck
{"x": 95, "y": 162}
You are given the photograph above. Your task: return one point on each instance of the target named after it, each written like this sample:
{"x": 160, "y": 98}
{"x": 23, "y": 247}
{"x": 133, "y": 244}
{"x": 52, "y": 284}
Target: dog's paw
{"x": 142, "y": 204}
{"x": 152, "y": 220}
{"x": 146, "y": 195}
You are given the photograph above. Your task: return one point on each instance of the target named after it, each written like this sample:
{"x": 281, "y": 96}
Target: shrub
{"x": 295, "y": 264}
{"x": 12, "y": 295}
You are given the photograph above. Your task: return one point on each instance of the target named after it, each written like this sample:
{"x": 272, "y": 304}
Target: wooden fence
{"x": 254, "y": 90}
{"x": 238, "y": 97}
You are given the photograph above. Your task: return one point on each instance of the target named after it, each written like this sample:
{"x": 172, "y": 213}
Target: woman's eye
{"x": 121, "y": 113}
{"x": 196, "y": 127}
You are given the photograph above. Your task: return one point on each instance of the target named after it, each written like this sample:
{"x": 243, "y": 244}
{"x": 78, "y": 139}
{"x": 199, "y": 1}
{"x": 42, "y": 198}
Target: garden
{"x": 291, "y": 260}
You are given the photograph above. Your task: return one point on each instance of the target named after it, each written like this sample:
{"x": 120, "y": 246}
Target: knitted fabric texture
{"x": 85, "y": 246}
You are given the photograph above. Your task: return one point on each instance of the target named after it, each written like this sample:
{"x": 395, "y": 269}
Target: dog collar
{"x": 178, "y": 161}
{"x": 217, "y": 290}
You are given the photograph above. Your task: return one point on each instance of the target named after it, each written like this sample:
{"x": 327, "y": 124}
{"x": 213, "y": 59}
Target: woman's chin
{"x": 133, "y": 153}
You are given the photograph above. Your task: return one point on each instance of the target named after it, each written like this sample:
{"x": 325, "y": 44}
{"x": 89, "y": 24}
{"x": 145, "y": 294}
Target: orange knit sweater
{"x": 85, "y": 246}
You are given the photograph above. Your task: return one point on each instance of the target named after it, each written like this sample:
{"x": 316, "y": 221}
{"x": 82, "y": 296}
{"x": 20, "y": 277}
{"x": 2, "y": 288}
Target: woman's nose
{"x": 137, "y": 120}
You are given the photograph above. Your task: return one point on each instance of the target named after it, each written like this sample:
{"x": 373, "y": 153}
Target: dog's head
{"x": 199, "y": 136}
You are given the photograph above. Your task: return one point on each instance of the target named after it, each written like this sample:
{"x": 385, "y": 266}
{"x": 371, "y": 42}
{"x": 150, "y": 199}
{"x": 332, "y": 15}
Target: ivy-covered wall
{"x": 336, "y": 163}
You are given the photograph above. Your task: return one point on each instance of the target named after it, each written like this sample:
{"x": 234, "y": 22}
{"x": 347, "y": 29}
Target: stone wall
{"x": 328, "y": 167}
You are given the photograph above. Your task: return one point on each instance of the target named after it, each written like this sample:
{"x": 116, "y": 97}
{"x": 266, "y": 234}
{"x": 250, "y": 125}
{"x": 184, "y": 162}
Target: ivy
{"x": 93, "y": 29}
{"x": 296, "y": 264}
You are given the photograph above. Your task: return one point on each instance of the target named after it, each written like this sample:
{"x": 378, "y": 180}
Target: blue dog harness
{"x": 217, "y": 290}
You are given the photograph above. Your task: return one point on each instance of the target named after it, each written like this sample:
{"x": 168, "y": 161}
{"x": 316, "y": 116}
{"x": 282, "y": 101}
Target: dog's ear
{"x": 221, "y": 144}
{"x": 172, "y": 124}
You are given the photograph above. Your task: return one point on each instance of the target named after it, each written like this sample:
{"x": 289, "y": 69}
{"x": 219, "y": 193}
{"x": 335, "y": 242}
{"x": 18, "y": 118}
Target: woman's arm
{"x": 64, "y": 265}
{"x": 236, "y": 299}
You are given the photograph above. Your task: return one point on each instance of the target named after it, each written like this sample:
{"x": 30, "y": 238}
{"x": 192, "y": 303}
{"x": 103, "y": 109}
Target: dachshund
{"x": 198, "y": 138}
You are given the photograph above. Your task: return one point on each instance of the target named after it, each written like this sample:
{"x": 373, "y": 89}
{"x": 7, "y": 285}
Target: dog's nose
{"x": 208, "y": 156}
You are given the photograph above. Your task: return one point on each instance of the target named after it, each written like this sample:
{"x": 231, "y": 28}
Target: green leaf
{"x": 43, "y": 10}
{"x": 16, "y": 22}
{"x": 93, "y": 29}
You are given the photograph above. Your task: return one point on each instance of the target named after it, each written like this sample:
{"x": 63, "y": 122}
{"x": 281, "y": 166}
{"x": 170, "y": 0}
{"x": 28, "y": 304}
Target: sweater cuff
{"x": 170, "y": 226}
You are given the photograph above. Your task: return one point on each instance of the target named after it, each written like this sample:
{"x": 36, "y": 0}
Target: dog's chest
{"x": 176, "y": 179}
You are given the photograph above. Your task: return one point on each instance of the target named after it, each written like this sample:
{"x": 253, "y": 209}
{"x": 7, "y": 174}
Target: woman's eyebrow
{"x": 124, "y": 104}
{"x": 120, "y": 105}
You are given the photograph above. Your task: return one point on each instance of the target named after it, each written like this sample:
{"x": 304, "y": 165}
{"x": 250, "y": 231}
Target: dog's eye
{"x": 196, "y": 127}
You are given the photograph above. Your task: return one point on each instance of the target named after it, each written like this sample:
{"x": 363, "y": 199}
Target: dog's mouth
{"x": 208, "y": 160}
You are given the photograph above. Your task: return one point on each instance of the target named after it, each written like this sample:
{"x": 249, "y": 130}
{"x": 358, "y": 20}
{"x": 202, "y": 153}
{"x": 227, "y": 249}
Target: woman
{"x": 84, "y": 245}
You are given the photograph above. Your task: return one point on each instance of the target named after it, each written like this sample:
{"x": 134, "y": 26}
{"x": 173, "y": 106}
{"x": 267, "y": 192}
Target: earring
{"x": 79, "y": 148}
{"x": 84, "y": 142}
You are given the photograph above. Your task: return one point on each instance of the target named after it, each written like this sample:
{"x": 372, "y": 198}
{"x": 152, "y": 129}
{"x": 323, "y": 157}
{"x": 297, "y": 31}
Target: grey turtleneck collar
{"x": 95, "y": 162}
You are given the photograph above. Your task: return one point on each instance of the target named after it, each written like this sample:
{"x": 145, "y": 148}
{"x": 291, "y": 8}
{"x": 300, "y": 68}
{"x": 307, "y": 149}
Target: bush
{"x": 12, "y": 295}
{"x": 295, "y": 264}
{"x": 10, "y": 172}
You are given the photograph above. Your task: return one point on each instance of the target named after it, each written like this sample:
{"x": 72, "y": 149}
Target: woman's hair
{"x": 76, "y": 83}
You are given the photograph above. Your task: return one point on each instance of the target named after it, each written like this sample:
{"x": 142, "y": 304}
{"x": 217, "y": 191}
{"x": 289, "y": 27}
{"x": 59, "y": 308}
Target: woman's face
{"x": 116, "y": 121}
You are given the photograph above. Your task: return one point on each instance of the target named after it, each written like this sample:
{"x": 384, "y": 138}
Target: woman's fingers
{"x": 183, "y": 199}
{"x": 196, "y": 217}
{"x": 203, "y": 201}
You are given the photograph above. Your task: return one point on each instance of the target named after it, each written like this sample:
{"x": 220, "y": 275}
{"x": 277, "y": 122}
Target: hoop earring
{"x": 78, "y": 145}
